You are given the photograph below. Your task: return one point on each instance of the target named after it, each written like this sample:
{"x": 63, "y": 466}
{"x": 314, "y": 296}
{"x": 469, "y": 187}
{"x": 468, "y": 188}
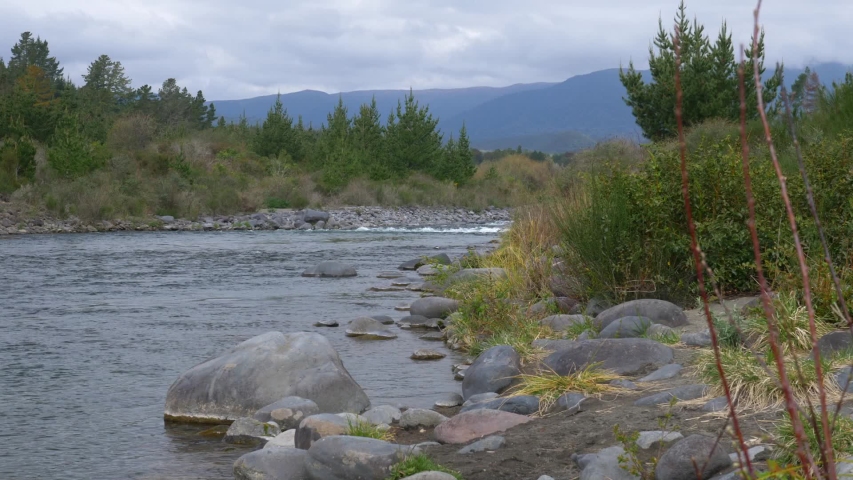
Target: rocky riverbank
{"x": 304, "y": 428}
{"x": 16, "y": 220}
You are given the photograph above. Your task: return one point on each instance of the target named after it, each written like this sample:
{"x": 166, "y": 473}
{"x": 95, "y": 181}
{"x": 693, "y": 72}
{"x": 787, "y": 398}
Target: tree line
{"x": 82, "y": 125}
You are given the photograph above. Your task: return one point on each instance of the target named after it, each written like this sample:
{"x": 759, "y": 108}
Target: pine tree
{"x": 334, "y": 151}
{"x": 71, "y": 154}
{"x": 34, "y": 52}
{"x": 221, "y": 122}
{"x": 412, "y": 139}
{"x": 708, "y": 78}
{"x": 368, "y": 142}
{"x": 805, "y": 93}
{"x": 464, "y": 159}
{"x": 276, "y": 136}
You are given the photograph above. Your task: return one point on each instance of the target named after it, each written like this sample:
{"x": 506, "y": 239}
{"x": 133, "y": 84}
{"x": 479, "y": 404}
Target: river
{"x": 95, "y": 327}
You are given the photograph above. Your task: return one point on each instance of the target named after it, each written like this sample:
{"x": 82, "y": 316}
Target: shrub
{"x": 132, "y": 133}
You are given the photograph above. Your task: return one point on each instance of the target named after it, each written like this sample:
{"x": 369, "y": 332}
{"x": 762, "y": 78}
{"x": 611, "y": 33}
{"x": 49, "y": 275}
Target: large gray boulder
{"x": 658, "y": 311}
{"x": 349, "y": 458}
{"x": 560, "y": 323}
{"x": 678, "y": 462}
{"x": 260, "y": 371}
{"x": 314, "y": 216}
{"x": 319, "y": 426}
{"x": 834, "y": 342}
{"x": 287, "y": 412}
{"x": 382, "y": 414}
{"x": 330, "y": 270}
{"x": 626, "y": 327}
{"x": 272, "y": 464}
{"x": 434, "y": 307}
{"x": 493, "y": 371}
{"x": 624, "y": 356}
{"x": 370, "y": 328}
{"x": 248, "y": 431}
{"x": 522, "y": 405}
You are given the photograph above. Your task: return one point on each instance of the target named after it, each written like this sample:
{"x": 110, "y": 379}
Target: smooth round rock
{"x": 287, "y": 412}
{"x": 678, "y": 463}
{"x": 326, "y": 323}
{"x": 626, "y": 327}
{"x": 382, "y": 414}
{"x": 419, "y": 417}
{"x": 624, "y": 356}
{"x": 434, "y": 307}
{"x": 561, "y": 323}
{"x": 494, "y": 370}
{"x": 663, "y": 373}
{"x": 260, "y": 371}
{"x": 475, "y": 424}
{"x": 271, "y": 464}
{"x": 319, "y": 426}
{"x": 345, "y": 457}
{"x": 449, "y": 400}
{"x": 488, "y": 444}
{"x": 248, "y": 431}
{"x": 424, "y": 354}
{"x": 522, "y": 405}
{"x": 657, "y": 311}
{"x": 285, "y": 439}
{"x": 369, "y": 328}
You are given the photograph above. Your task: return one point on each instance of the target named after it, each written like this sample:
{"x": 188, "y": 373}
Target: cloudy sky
{"x": 237, "y": 49}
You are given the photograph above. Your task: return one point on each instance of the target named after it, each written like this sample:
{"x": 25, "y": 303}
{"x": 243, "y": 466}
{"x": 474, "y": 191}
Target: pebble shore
{"x": 15, "y": 222}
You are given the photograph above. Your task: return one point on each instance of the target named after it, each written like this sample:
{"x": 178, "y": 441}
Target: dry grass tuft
{"x": 549, "y": 386}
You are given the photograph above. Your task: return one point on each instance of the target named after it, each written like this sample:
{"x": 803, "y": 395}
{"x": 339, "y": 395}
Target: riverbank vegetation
{"x": 104, "y": 150}
{"x": 615, "y": 228}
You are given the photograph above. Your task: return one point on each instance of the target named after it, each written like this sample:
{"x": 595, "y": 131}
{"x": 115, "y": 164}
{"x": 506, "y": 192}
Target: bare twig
{"x": 826, "y": 450}
{"x": 697, "y": 258}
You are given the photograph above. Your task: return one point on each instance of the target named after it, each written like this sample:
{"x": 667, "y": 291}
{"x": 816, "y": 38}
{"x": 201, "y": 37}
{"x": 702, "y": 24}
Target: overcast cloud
{"x": 245, "y": 48}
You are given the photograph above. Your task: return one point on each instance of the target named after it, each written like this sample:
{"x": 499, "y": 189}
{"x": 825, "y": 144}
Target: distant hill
{"x": 550, "y": 117}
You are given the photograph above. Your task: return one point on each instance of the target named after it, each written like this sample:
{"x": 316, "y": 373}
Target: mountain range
{"x": 551, "y": 117}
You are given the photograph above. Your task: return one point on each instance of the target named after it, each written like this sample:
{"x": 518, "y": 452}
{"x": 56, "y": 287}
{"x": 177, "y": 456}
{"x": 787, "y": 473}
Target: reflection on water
{"x": 94, "y": 328}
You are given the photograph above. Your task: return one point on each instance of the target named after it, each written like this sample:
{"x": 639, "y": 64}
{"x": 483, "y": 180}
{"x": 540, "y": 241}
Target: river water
{"x": 95, "y": 327}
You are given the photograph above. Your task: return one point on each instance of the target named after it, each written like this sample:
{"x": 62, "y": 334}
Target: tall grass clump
{"x": 549, "y": 386}
{"x": 786, "y": 444}
{"x": 360, "y": 428}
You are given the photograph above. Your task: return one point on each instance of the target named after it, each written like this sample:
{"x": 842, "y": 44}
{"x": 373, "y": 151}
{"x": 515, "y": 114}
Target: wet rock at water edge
{"x": 419, "y": 417}
{"x": 272, "y": 464}
{"x": 314, "y": 216}
{"x": 657, "y": 311}
{"x": 480, "y": 397}
{"x": 260, "y": 371}
{"x": 414, "y": 264}
{"x": 490, "y": 444}
{"x": 685, "y": 392}
{"x": 287, "y": 412}
{"x": 326, "y": 323}
{"x": 626, "y": 327}
{"x": 345, "y": 457}
{"x": 434, "y": 307}
{"x": 475, "y": 424}
{"x": 383, "y": 319}
{"x": 403, "y": 307}
{"x": 493, "y": 371}
{"x": 678, "y": 463}
{"x": 390, "y": 275}
{"x": 380, "y": 414}
{"x": 433, "y": 336}
{"x": 424, "y": 354}
{"x": 369, "y": 328}
{"x": 319, "y": 426}
{"x": 330, "y": 270}
{"x": 624, "y": 356}
{"x": 449, "y": 400}
{"x": 248, "y": 431}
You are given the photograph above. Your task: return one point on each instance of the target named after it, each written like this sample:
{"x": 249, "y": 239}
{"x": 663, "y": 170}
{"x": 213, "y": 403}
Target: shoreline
{"x": 16, "y": 222}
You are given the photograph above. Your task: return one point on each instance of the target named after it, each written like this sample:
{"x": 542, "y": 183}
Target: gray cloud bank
{"x": 257, "y": 47}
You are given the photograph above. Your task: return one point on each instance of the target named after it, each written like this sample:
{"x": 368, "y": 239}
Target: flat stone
{"x": 380, "y": 414}
{"x": 490, "y": 443}
{"x": 678, "y": 463}
{"x": 449, "y": 400}
{"x": 686, "y": 392}
{"x": 369, "y": 328}
{"x": 622, "y": 383}
{"x": 403, "y": 307}
{"x": 475, "y": 424}
{"x": 626, "y": 327}
{"x": 390, "y": 275}
{"x": 716, "y": 405}
{"x": 699, "y": 339}
{"x": 381, "y": 288}
{"x": 424, "y": 354}
{"x": 663, "y": 373}
{"x": 522, "y": 405}
{"x": 751, "y": 452}
{"x": 326, "y": 323}
{"x": 657, "y": 311}
{"x": 647, "y": 439}
{"x": 383, "y": 319}
{"x": 419, "y": 417}
{"x": 287, "y": 412}
{"x": 248, "y": 431}
{"x": 624, "y": 356}
{"x": 272, "y": 464}
{"x": 285, "y": 439}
